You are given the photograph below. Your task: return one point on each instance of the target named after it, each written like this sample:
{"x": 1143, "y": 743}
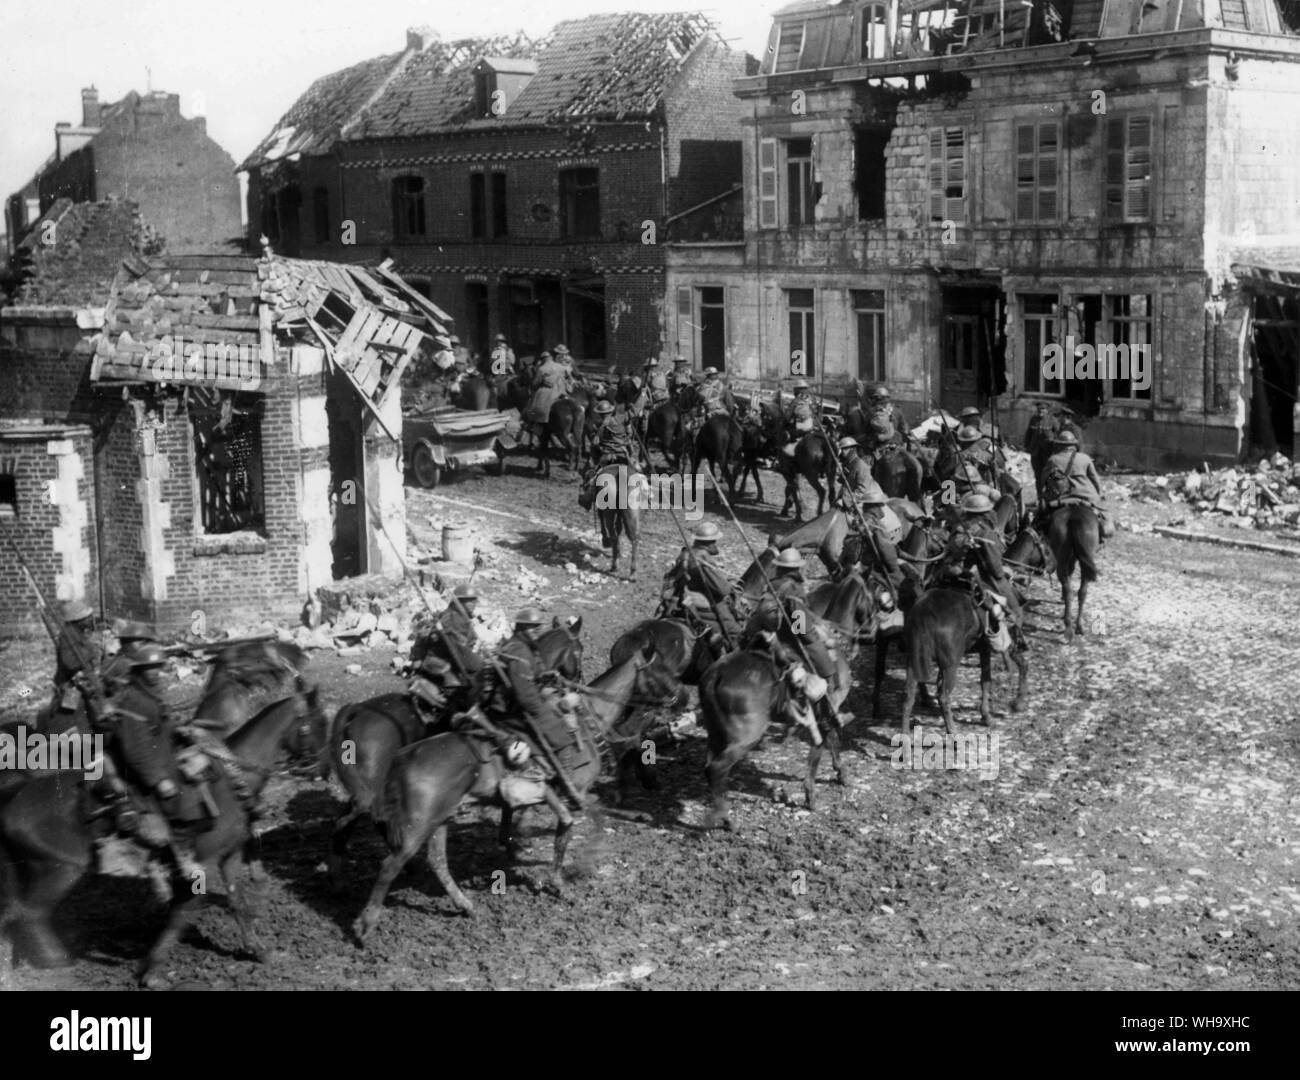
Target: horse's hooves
{"x": 362, "y": 926}
{"x": 842, "y": 778}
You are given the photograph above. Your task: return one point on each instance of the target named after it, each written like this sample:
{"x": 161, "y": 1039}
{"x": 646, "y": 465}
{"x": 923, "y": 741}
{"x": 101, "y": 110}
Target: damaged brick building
{"x": 198, "y": 434}
{"x": 527, "y": 186}
{"x": 936, "y": 191}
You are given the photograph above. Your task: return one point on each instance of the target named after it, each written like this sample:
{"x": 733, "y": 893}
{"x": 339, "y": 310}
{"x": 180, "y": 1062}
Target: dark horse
{"x": 900, "y": 474}
{"x": 46, "y": 842}
{"x": 718, "y": 442}
{"x": 679, "y": 650}
{"x": 1074, "y": 535}
{"x": 941, "y": 628}
{"x": 429, "y": 781}
{"x": 666, "y": 425}
{"x": 367, "y": 734}
{"x": 814, "y": 460}
{"x": 243, "y": 671}
{"x": 564, "y": 424}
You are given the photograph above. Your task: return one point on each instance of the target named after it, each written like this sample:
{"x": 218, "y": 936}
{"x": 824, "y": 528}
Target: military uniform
{"x": 503, "y": 360}
{"x": 715, "y": 397}
{"x": 697, "y": 571}
{"x": 858, "y": 481}
{"x": 145, "y": 735}
{"x": 1070, "y": 475}
{"x": 518, "y": 692}
{"x": 453, "y": 640}
{"x": 790, "y": 592}
{"x": 800, "y": 416}
{"x": 657, "y": 385}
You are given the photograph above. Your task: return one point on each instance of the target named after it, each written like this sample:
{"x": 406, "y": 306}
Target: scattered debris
{"x": 1265, "y": 497}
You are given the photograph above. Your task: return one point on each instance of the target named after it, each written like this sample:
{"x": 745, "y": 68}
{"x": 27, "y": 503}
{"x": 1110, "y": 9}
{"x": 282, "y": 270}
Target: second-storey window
{"x": 580, "y": 204}
{"x": 800, "y": 304}
{"x": 408, "y": 207}
{"x": 1128, "y": 168}
{"x": 947, "y": 174}
{"x": 498, "y": 194}
{"x": 875, "y": 42}
{"x": 487, "y": 205}
{"x": 1037, "y": 171}
{"x": 789, "y": 47}
{"x": 477, "y": 205}
{"x": 801, "y": 193}
{"x": 869, "y": 310}
{"x": 767, "y": 189}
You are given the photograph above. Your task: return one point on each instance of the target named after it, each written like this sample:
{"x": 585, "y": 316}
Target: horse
{"x": 241, "y": 672}
{"x": 473, "y": 392}
{"x": 565, "y": 424}
{"x": 46, "y": 842}
{"x": 682, "y": 652}
{"x": 753, "y": 446}
{"x": 814, "y": 461}
{"x": 431, "y": 779}
{"x": 900, "y": 474}
{"x": 367, "y": 734}
{"x": 666, "y": 425}
{"x": 941, "y": 628}
{"x": 718, "y": 441}
{"x": 1074, "y": 535}
{"x": 740, "y": 695}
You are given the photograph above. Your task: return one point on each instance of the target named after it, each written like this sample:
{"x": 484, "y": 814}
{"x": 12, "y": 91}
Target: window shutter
{"x": 767, "y": 189}
{"x": 955, "y": 189}
{"x": 1049, "y": 141}
{"x": 1114, "y": 194}
{"x": 1138, "y": 176}
{"x": 1026, "y": 159}
{"x": 685, "y": 329}
{"x": 936, "y": 175}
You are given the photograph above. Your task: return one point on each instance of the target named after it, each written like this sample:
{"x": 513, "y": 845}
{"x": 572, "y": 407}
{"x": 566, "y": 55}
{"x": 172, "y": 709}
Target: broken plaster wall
{"x": 385, "y": 492}
{"x": 311, "y": 435}
{"x": 69, "y": 535}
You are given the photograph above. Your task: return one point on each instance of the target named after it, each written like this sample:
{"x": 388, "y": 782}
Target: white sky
{"x": 242, "y": 63}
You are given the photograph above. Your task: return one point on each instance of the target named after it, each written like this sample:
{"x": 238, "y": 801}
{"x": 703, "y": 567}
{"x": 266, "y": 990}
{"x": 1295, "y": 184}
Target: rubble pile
{"x": 1265, "y": 497}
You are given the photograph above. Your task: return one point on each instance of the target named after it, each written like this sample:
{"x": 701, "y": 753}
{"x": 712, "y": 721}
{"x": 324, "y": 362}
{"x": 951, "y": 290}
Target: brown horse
{"x": 1074, "y": 535}
{"x": 430, "y": 780}
{"x": 241, "y": 672}
{"x": 900, "y": 474}
{"x": 367, "y": 734}
{"x": 678, "y": 649}
{"x": 941, "y": 628}
{"x": 565, "y": 425}
{"x": 718, "y": 442}
{"x": 46, "y": 842}
{"x": 666, "y": 425}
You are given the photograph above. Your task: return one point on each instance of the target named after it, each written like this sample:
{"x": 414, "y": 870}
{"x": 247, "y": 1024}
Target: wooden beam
{"x": 436, "y": 313}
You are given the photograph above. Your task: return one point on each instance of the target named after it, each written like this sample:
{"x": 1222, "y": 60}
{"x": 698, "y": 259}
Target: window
{"x": 869, "y": 309}
{"x": 1038, "y": 321}
{"x": 1128, "y": 323}
{"x": 580, "y": 204}
{"x": 1037, "y": 171}
{"x": 1128, "y": 168}
{"x": 712, "y": 323}
{"x": 869, "y": 172}
{"x": 801, "y": 192}
{"x": 789, "y": 47}
{"x": 477, "y": 205}
{"x": 875, "y": 43}
{"x": 498, "y": 204}
{"x": 320, "y": 213}
{"x": 767, "y": 190}
{"x": 685, "y": 325}
{"x": 800, "y": 303}
{"x": 228, "y": 464}
{"x": 408, "y": 207}
{"x": 8, "y": 488}
{"x": 947, "y": 174}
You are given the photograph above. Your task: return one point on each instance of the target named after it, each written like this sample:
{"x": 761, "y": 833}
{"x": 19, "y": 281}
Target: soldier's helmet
{"x": 709, "y": 372}
{"x": 801, "y": 385}
{"x": 848, "y": 442}
{"x": 882, "y": 428}
{"x": 969, "y": 474}
{"x": 652, "y": 362}
{"x": 75, "y": 611}
{"x": 530, "y": 616}
{"x": 969, "y": 413}
{"x": 499, "y": 337}
{"x": 561, "y": 350}
{"x": 136, "y": 631}
{"x": 875, "y": 496}
{"x": 880, "y": 393}
{"x": 148, "y": 655}
{"x": 975, "y": 503}
{"x": 968, "y": 434}
{"x": 789, "y": 559}
{"x": 1065, "y": 438}
{"x": 465, "y": 592}
{"x": 706, "y": 533}
{"x": 604, "y": 407}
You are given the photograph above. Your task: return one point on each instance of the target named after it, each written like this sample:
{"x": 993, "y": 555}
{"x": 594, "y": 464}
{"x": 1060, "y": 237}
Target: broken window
{"x": 869, "y": 172}
{"x": 1128, "y": 323}
{"x": 767, "y": 189}
{"x": 869, "y": 310}
{"x": 408, "y": 207}
{"x": 320, "y": 212}
{"x": 228, "y": 464}
{"x": 874, "y": 42}
{"x": 947, "y": 174}
{"x": 801, "y": 304}
{"x": 1128, "y": 168}
{"x": 1038, "y": 326}
{"x": 1037, "y": 171}
{"x": 789, "y": 47}
{"x": 801, "y": 192}
{"x": 580, "y": 204}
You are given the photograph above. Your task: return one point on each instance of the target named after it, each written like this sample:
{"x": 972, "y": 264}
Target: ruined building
{"x": 935, "y": 192}
{"x": 526, "y": 186}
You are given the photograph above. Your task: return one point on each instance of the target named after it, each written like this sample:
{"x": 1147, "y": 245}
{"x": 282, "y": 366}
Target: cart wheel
{"x": 427, "y": 471}
{"x": 497, "y": 467}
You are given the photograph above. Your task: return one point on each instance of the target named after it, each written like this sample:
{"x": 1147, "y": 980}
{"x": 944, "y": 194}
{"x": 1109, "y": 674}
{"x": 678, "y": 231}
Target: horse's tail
{"x": 920, "y": 647}
{"x": 1082, "y": 548}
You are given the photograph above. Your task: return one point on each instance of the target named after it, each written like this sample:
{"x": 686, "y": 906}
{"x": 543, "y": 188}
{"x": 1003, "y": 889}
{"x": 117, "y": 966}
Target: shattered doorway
{"x": 1275, "y": 348}
{"x": 347, "y": 478}
{"x": 973, "y": 347}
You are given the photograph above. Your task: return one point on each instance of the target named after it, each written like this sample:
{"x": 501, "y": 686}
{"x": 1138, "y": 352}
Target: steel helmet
{"x": 603, "y": 407}
{"x": 75, "y": 611}
{"x": 970, "y": 412}
{"x": 499, "y": 337}
{"x": 875, "y": 496}
{"x": 1065, "y": 438}
{"x": 970, "y": 474}
{"x": 975, "y": 503}
{"x": 710, "y": 371}
{"x": 968, "y": 434}
{"x": 880, "y": 393}
{"x": 789, "y": 559}
{"x": 706, "y": 533}
{"x": 530, "y": 616}
{"x": 848, "y": 442}
{"x": 464, "y": 592}
{"x": 136, "y": 631}
{"x": 150, "y": 654}
{"x": 652, "y": 362}
{"x": 801, "y": 385}
{"x": 561, "y": 350}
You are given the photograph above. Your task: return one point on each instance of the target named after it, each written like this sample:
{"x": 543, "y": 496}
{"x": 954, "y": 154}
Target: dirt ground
{"x": 1141, "y": 832}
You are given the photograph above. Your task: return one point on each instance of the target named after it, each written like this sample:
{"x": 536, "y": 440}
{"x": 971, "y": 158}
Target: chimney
{"x": 420, "y": 38}
{"x": 90, "y": 107}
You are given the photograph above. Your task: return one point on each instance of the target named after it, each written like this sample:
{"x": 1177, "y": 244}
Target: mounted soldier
{"x": 550, "y": 383}
{"x": 973, "y": 560}
{"x": 131, "y": 636}
{"x": 445, "y": 660}
{"x": 145, "y": 733}
{"x": 565, "y": 361}
{"x": 681, "y": 377}
{"x": 79, "y": 656}
{"x": 714, "y": 395}
{"x": 882, "y": 405}
{"x": 516, "y": 702}
{"x": 882, "y": 439}
{"x": 1070, "y": 476}
{"x": 800, "y": 414}
{"x": 696, "y": 588}
{"x": 502, "y": 358}
{"x": 656, "y": 382}
{"x": 974, "y": 448}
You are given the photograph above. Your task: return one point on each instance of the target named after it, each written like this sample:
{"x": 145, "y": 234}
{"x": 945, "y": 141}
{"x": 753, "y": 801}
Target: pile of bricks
{"x": 1265, "y": 497}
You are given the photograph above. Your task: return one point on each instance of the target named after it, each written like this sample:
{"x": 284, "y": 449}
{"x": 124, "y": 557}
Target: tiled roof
{"x": 603, "y": 67}
{"x": 316, "y": 118}
{"x": 90, "y": 241}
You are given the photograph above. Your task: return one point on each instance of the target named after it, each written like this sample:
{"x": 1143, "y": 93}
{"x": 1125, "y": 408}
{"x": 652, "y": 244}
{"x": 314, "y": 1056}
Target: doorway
{"x": 1275, "y": 347}
{"x": 343, "y": 413}
{"x": 713, "y": 328}
{"x": 972, "y": 352}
